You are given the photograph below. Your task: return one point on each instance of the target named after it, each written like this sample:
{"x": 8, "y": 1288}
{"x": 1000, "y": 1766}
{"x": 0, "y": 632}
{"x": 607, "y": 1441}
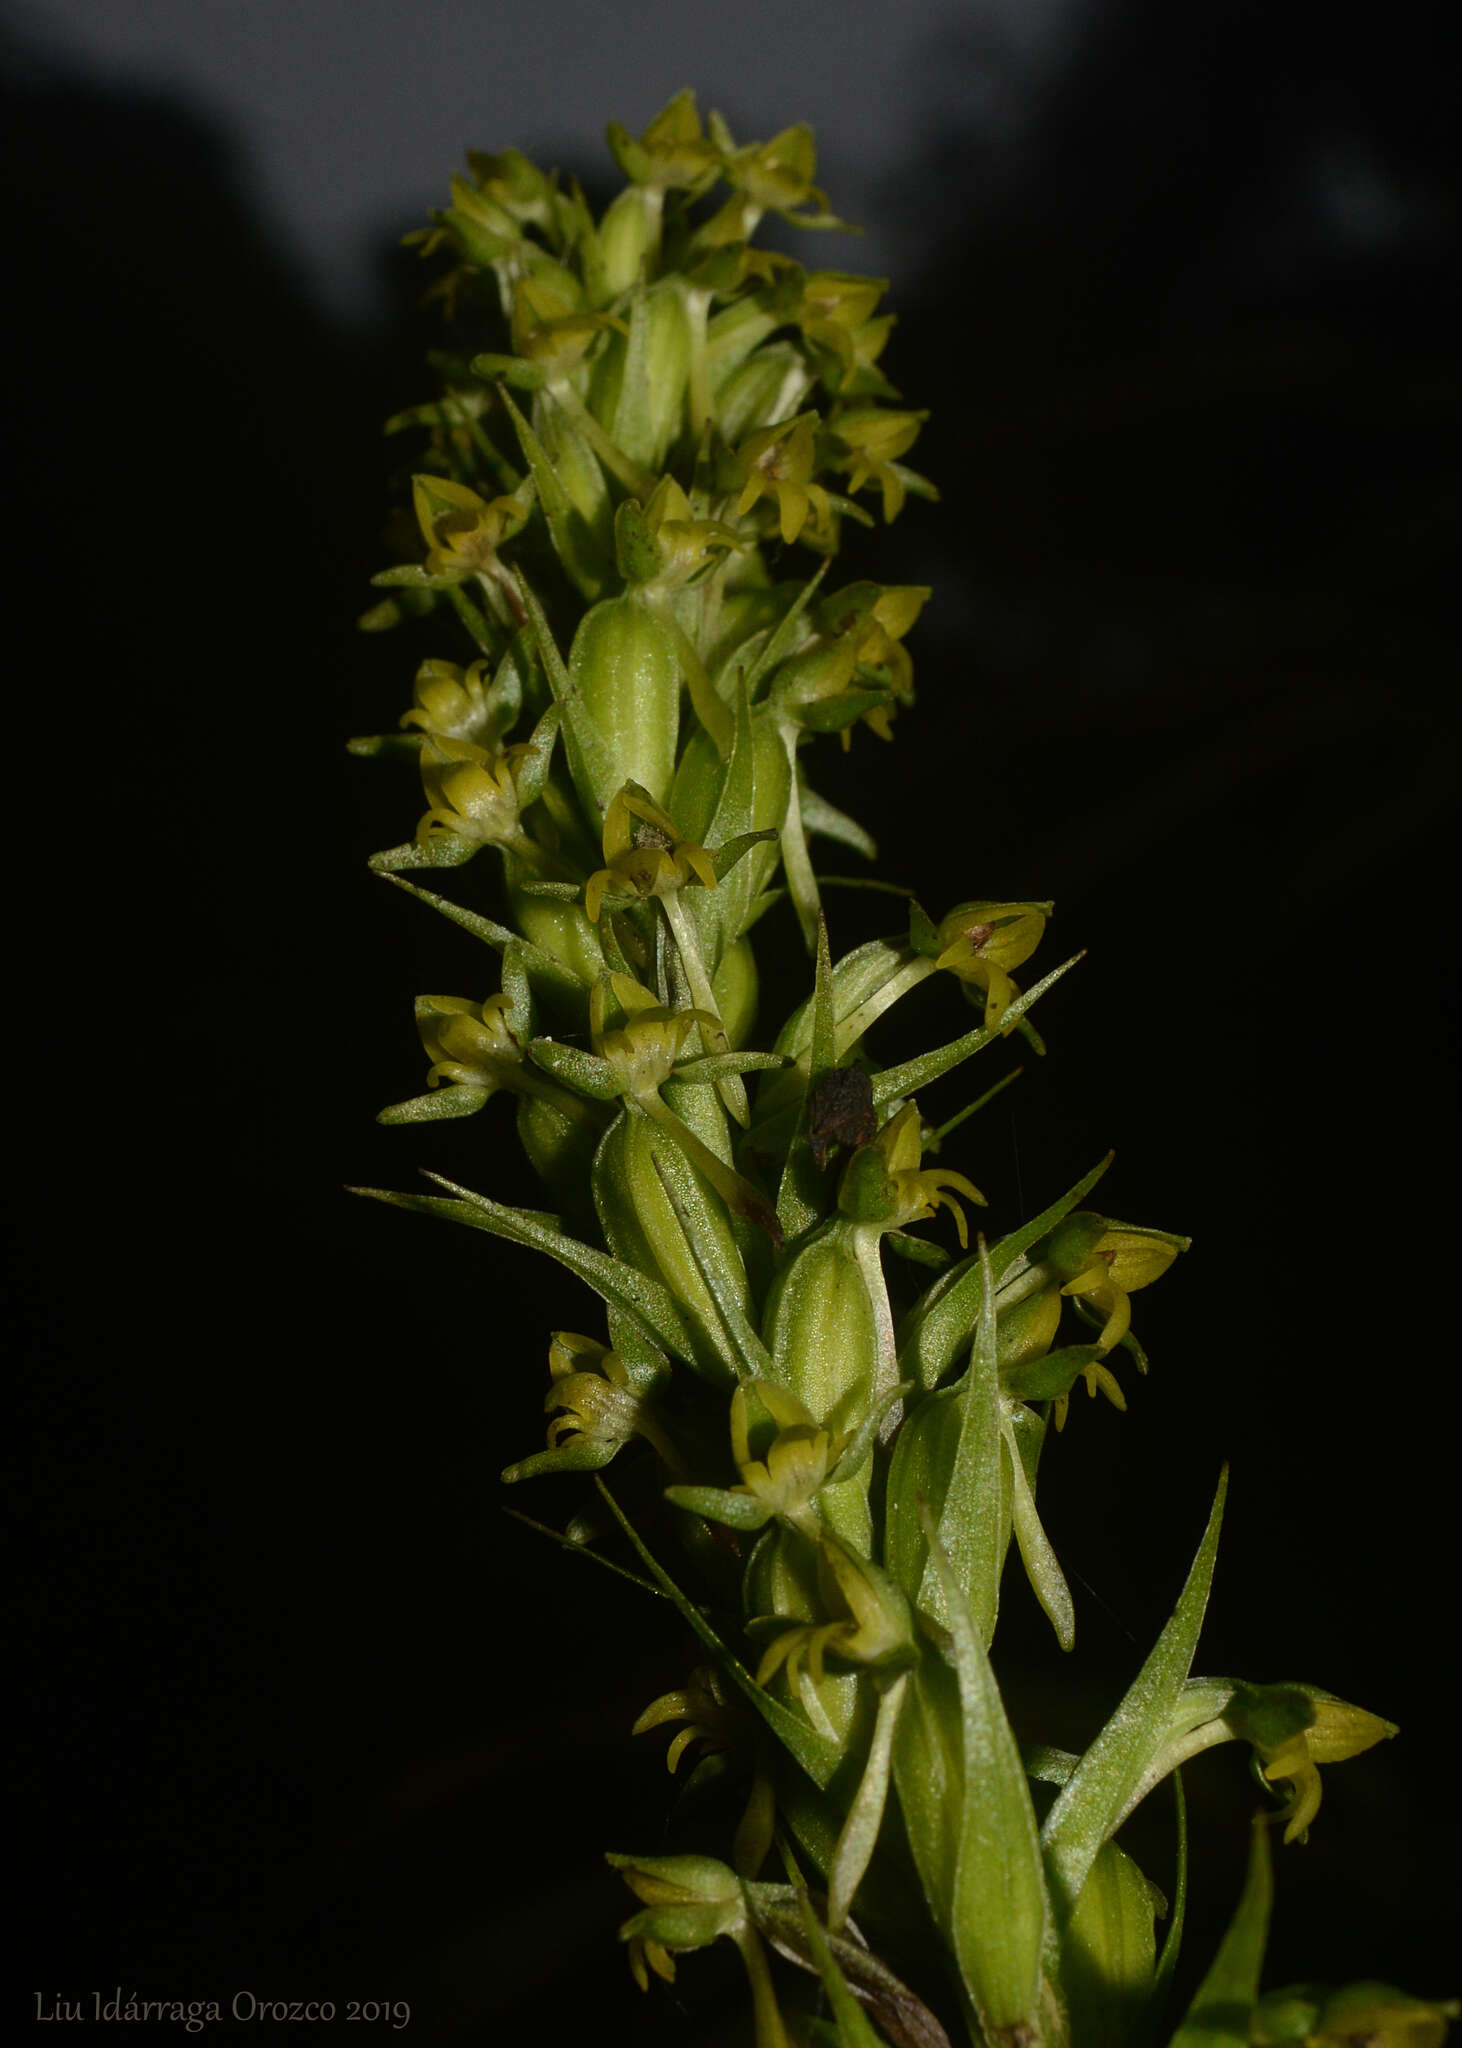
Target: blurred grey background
{"x": 1179, "y": 286}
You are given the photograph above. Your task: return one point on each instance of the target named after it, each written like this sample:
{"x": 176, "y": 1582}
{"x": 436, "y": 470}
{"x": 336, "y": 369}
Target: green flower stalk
{"x": 628, "y": 496}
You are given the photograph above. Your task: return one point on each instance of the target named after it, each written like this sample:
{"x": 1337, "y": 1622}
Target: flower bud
{"x": 626, "y": 672}
{"x": 821, "y": 1329}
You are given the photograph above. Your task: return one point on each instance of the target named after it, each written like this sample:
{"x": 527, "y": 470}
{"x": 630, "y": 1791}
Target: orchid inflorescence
{"x": 648, "y": 438}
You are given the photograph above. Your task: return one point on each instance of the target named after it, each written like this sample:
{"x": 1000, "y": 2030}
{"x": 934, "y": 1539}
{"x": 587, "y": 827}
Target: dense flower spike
{"x": 649, "y": 441}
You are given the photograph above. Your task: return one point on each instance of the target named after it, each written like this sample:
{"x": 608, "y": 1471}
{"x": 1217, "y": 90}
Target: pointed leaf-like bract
{"x": 817, "y": 1756}
{"x": 1094, "y": 1798}
{"x": 1219, "y": 2014}
{"x": 1000, "y": 1909}
{"x": 649, "y": 1306}
{"x": 917, "y": 1073}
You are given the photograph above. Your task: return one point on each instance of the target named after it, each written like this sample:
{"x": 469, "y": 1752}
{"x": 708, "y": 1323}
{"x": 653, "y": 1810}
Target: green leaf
{"x": 731, "y": 851}
{"x": 825, "y": 821}
{"x": 817, "y": 1756}
{"x": 589, "y": 758}
{"x": 460, "y": 1099}
{"x": 855, "y": 2029}
{"x": 585, "y": 1072}
{"x": 442, "y": 850}
{"x": 915, "y": 1074}
{"x": 718, "y": 1504}
{"x": 1094, "y": 1799}
{"x": 973, "y": 1526}
{"x": 748, "y": 1354}
{"x": 788, "y": 632}
{"x": 549, "y": 977}
{"x": 649, "y": 1306}
{"x": 1167, "y": 1961}
{"x": 580, "y": 1454}
{"x": 1000, "y": 1909}
{"x": 1042, "y": 1567}
{"x": 1219, "y": 2014}
{"x": 568, "y": 529}
{"x": 802, "y": 1195}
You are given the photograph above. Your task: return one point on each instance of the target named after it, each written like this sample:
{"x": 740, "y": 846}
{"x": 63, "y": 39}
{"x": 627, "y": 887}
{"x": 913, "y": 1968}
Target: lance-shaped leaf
{"x": 1093, "y": 1800}
{"x": 573, "y": 542}
{"x": 1042, "y": 1567}
{"x": 652, "y": 1308}
{"x": 823, "y": 820}
{"x": 801, "y": 1198}
{"x": 859, "y": 1833}
{"x": 902, "y": 2017}
{"x": 914, "y": 1074}
{"x": 748, "y": 1354}
{"x": 814, "y": 1752}
{"x": 585, "y": 1072}
{"x": 1219, "y": 2014}
{"x": 950, "y": 1309}
{"x": 589, "y": 758}
{"x": 974, "y": 1527}
{"x": 999, "y": 1909}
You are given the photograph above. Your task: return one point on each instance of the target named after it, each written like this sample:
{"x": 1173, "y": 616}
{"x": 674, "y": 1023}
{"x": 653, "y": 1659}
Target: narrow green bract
{"x": 825, "y": 1421}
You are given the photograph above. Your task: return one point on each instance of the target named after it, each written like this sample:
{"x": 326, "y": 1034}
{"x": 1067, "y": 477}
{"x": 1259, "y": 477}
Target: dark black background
{"x": 308, "y": 1715}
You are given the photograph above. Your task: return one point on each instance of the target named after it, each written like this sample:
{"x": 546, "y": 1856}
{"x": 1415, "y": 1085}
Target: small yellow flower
{"x": 871, "y": 1625}
{"x": 1123, "y": 1262}
{"x": 707, "y": 1714}
{"x": 798, "y": 1460}
{"x": 642, "y": 1050}
{"x": 778, "y": 463}
{"x": 835, "y": 313}
{"x": 593, "y": 1397}
{"x": 687, "y": 545}
{"x": 776, "y": 176}
{"x": 455, "y": 703}
{"x": 873, "y": 439}
{"x": 644, "y": 854}
{"x": 472, "y": 794}
{"x": 673, "y": 153}
{"x": 551, "y": 331}
{"x": 885, "y": 1185}
{"x": 463, "y": 531}
{"x": 981, "y": 942}
{"x": 470, "y": 1044}
{"x": 1338, "y": 1731}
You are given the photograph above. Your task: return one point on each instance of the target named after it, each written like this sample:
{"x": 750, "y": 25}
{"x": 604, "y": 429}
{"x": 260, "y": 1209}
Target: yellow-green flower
{"x": 776, "y": 177}
{"x": 551, "y": 331}
{"x": 1122, "y": 1262}
{"x": 980, "y": 942}
{"x": 778, "y": 463}
{"x": 643, "y": 1050}
{"x": 798, "y": 1460}
{"x": 473, "y": 795}
{"x": 470, "y": 1044}
{"x": 686, "y": 545}
{"x": 593, "y": 1398}
{"x": 835, "y": 313}
{"x": 884, "y": 1183}
{"x": 871, "y": 1626}
{"x": 709, "y": 1717}
{"x": 454, "y": 703}
{"x": 1337, "y": 1732}
{"x": 872, "y": 440}
{"x": 644, "y": 854}
{"x": 463, "y": 531}
{"x": 673, "y": 153}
